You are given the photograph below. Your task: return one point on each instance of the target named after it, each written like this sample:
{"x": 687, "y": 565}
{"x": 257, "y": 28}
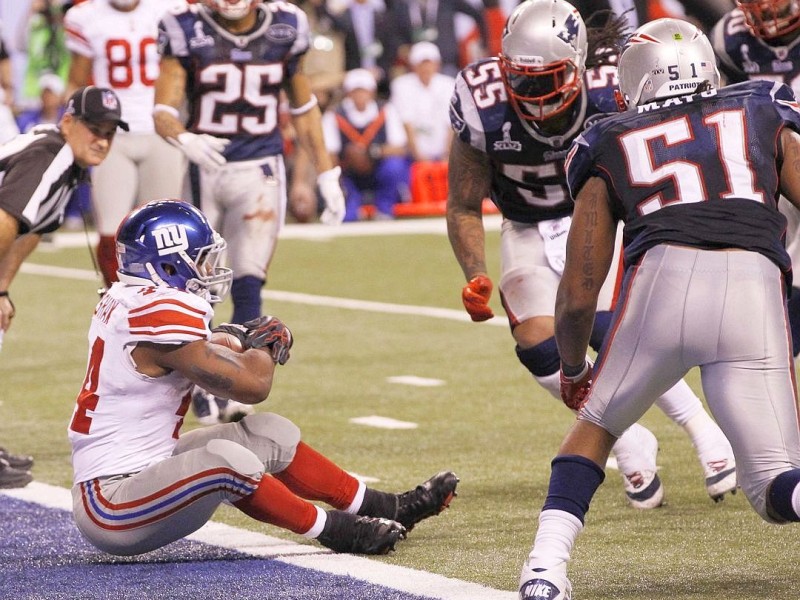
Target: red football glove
{"x": 575, "y": 389}
{"x": 270, "y": 334}
{"x": 475, "y": 297}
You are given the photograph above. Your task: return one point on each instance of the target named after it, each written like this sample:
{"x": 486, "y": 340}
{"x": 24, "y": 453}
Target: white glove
{"x": 202, "y": 149}
{"x": 332, "y": 194}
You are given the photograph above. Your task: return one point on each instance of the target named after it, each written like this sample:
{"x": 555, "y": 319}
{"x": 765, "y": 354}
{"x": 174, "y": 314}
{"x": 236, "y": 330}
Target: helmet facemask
{"x": 539, "y": 93}
{"x": 770, "y": 19}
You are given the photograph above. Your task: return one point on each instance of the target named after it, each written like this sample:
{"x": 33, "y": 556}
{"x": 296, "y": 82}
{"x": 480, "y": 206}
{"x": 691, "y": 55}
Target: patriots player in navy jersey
{"x": 514, "y": 117}
{"x": 230, "y": 60}
{"x": 694, "y": 172}
{"x": 760, "y": 40}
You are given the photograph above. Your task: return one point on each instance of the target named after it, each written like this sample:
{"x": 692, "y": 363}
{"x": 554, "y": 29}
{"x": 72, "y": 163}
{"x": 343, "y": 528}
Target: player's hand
{"x": 7, "y": 311}
{"x": 332, "y": 194}
{"x": 475, "y": 297}
{"x": 270, "y": 333}
{"x": 574, "y": 389}
{"x": 202, "y": 149}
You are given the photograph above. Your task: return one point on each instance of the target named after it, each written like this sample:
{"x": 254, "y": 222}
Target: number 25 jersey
{"x": 233, "y": 81}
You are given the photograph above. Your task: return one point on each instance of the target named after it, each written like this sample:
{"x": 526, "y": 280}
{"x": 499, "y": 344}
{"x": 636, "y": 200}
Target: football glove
{"x": 475, "y": 297}
{"x": 575, "y": 389}
{"x": 202, "y": 149}
{"x": 332, "y": 194}
{"x": 271, "y": 334}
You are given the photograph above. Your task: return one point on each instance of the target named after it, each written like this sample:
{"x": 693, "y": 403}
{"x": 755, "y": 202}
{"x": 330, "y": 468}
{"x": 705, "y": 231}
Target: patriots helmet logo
{"x": 569, "y": 33}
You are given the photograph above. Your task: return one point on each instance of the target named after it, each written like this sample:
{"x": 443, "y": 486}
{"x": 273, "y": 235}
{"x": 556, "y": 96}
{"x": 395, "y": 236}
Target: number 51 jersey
{"x": 234, "y": 81}
{"x": 698, "y": 170}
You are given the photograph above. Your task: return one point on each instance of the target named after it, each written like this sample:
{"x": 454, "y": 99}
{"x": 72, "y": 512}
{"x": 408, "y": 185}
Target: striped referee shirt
{"x": 38, "y": 174}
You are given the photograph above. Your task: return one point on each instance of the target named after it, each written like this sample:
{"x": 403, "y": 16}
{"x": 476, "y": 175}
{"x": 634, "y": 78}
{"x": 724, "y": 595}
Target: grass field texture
{"x": 488, "y": 421}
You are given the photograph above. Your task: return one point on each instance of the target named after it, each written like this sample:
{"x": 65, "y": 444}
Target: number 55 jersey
{"x": 234, "y": 80}
{"x": 669, "y": 165}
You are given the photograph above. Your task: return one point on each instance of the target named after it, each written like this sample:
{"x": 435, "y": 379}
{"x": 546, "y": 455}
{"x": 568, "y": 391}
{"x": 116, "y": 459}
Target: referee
{"x": 39, "y": 171}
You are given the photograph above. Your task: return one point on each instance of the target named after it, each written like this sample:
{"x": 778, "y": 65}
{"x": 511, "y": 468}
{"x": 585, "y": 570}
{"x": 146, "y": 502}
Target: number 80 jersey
{"x": 122, "y": 48}
{"x": 234, "y": 81}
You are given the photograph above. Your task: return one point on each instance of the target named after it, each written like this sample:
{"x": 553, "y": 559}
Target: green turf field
{"x": 489, "y": 422}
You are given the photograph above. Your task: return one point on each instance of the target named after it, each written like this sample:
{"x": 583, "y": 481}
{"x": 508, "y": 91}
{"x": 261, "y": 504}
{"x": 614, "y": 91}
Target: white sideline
{"x": 395, "y": 577}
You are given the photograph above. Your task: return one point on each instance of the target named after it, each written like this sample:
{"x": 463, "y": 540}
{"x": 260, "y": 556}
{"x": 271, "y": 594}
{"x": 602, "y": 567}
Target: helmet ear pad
{"x": 543, "y": 57}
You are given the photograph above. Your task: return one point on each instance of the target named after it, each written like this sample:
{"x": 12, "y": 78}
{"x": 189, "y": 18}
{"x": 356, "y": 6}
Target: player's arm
{"x": 790, "y": 170}
{"x": 468, "y": 177}
{"x": 19, "y": 250}
{"x": 170, "y": 93}
{"x": 80, "y": 73}
{"x": 307, "y": 121}
{"x": 225, "y": 372}
{"x": 590, "y": 249}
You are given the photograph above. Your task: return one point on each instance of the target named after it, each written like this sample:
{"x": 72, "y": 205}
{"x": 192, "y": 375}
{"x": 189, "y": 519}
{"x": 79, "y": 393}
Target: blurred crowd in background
{"x": 392, "y": 60}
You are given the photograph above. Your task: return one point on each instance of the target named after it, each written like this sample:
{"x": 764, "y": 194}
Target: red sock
{"x": 314, "y": 477}
{"x": 107, "y": 258}
{"x": 273, "y": 503}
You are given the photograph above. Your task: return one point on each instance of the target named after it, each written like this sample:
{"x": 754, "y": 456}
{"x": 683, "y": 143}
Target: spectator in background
{"x": 50, "y": 108}
{"x": 368, "y": 42}
{"x": 113, "y": 43}
{"x": 44, "y": 43}
{"x": 8, "y": 126}
{"x": 433, "y": 21}
{"x": 371, "y": 144}
{"x": 428, "y": 130}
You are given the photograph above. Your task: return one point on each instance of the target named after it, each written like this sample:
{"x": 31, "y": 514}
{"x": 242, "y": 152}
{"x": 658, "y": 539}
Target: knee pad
{"x": 239, "y": 458}
{"x": 542, "y": 359}
{"x": 277, "y": 434}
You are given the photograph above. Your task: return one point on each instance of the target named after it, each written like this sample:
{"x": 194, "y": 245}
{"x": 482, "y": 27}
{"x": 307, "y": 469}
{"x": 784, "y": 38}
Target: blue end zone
{"x": 43, "y": 557}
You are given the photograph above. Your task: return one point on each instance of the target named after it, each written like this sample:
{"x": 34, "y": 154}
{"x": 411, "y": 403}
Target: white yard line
{"x": 408, "y": 580}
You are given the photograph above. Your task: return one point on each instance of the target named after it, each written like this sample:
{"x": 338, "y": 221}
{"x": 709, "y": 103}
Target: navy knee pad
{"x": 542, "y": 359}
{"x": 779, "y": 496}
{"x": 793, "y": 308}
{"x": 573, "y": 482}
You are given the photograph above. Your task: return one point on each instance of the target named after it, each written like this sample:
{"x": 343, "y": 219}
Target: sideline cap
{"x": 422, "y": 51}
{"x": 359, "y": 79}
{"x": 95, "y": 105}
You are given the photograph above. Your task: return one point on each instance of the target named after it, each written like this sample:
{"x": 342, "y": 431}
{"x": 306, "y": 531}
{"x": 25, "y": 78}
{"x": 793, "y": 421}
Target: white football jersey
{"x": 124, "y": 420}
{"x": 122, "y": 46}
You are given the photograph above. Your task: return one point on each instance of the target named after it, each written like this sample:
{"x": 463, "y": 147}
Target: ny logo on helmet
{"x": 570, "y": 32}
{"x": 171, "y": 239}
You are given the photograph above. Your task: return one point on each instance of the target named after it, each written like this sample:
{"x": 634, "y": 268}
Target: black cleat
{"x": 17, "y": 461}
{"x": 345, "y": 532}
{"x": 13, "y": 478}
{"x": 426, "y": 500}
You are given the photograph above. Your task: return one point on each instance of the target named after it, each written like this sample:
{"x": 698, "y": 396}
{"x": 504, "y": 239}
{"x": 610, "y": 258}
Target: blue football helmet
{"x": 171, "y": 243}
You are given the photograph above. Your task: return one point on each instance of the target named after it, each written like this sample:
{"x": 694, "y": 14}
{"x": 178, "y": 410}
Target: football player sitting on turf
{"x": 138, "y": 483}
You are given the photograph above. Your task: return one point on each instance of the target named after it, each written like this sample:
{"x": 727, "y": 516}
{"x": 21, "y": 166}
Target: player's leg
{"x": 114, "y": 189}
{"x": 162, "y": 169}
{"x": 749, "y": 383}
{"x": 528, "y": 288}
{"x": 253, "y": 195}
{"x": 127, "y": 515}
{"x": 628, "y": 375}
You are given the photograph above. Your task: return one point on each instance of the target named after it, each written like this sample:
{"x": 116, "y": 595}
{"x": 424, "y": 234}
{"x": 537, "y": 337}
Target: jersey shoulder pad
{"x": 165, "y": 315}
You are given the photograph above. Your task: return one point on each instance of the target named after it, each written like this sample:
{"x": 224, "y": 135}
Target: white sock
{"x": 319, "y": 524}
{"x": 552, "y": 383}
{"x": 680, "y": 403}
{"x": 554, "y": 540}
{"x": 707, "y": 438}
{"x": 358, "y": 500}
